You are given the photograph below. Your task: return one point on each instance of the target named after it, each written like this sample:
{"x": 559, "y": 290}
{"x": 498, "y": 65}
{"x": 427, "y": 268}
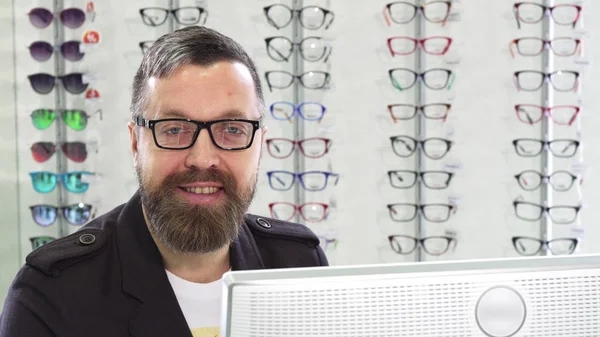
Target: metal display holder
{"x": 170, "y": 18}
{"x": 547, "y": 130}
{"x": 61, "y": 129}
{"x": 299, "y": 130}
{"x": 420, "y": 131}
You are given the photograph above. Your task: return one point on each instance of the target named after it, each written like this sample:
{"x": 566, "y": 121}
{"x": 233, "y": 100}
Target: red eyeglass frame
{"x": 299, "y": 208}
{"x": 418, "y": 43}
{"x": 547, "y": 111}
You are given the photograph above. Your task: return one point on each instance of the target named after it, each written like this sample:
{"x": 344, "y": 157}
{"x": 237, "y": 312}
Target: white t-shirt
{"x": 200, "y": 303}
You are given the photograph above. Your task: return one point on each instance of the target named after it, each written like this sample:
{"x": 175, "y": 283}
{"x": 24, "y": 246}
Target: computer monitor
{"x": 528, "y": 297}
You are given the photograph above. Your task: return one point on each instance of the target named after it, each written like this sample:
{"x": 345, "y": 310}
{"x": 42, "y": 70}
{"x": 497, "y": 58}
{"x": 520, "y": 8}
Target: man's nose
{"x": 203, "y": 154}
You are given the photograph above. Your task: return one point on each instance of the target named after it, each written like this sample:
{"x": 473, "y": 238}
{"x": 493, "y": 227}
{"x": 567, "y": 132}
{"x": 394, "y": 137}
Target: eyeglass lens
{"x": 311, "y": 49}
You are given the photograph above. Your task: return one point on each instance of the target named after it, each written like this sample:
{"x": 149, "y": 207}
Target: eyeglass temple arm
{"x": 330, "y": 50}
{"x": 205, "y": 12}
{"x": 385, "y": 15}
{"x": 99, "y": 112}
{"x": 278, "y": 53}
{"x": 331, "y": 21}
{"x": 510, "y": 47}
{"x": 271, "y": 22}
{"x": 516, "y": 12}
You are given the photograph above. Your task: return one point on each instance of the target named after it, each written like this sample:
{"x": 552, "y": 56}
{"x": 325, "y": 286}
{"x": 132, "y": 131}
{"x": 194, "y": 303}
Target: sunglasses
{"x": 45, "y": 182}
{"x": 38, "y": 241}
{"x": 44, "y": 83}
{"x": 76, "y": 151}
{"x": 70, "y": 17}
{"x": 42, "y": 50}
{"x": 76, "y": 214}
{"x": 75, "y": 119}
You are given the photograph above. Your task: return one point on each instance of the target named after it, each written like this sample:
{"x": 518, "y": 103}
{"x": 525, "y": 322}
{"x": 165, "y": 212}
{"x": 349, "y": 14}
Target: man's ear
{"x": 133, "y": 135}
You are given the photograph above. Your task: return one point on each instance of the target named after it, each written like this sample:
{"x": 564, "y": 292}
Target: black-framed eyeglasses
{"x": 528, "y": 246}
{"x": 561, "y": 148}
{"x": 311, "y": 48}
{"x": 434, "y": 148}
{"x": 432, "y": 245}
{"x": 435, "y": 180}
{"x": 531, "y": 180}
{"x": 561, "y": 215}
{"x": 181, "y": 133}
{"x": 532, "y": 80}
{"x": 144, "y": 45}
{"x": 311, "y": 17}
{"x": 434, "y": 79}
{"x": 187, "y": 16}
{"x": 404, "y": 212}
{"x": 280, "y": 79}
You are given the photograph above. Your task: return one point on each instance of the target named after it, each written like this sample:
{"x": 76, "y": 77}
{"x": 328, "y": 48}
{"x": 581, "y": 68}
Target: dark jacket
{"x": 108, "y": 279}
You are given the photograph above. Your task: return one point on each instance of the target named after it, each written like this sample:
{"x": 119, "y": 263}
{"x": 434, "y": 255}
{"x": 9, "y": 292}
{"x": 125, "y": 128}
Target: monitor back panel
{"x": 527, "y": 303}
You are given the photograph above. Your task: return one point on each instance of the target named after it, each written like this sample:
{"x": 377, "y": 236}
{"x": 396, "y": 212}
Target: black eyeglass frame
{"x": 298, "y": 14}
{"x": 150, "y": 124}
{"x": 297, "y": 46}
{"x": 544, "y": 243}
{"x": 202, "y": 11}
{"x": 420, "y": 243}
{"x": 416, "y": 176}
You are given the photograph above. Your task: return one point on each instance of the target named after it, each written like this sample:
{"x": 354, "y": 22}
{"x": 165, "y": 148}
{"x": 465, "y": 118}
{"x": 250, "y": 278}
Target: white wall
{"x": 9, "y": 189}
{"x": 482, "y": 123}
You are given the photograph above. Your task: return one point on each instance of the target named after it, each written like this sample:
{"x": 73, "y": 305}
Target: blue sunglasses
{"x": 45, "y": 182}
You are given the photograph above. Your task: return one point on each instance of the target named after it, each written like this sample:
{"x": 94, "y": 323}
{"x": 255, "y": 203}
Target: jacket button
{"x": 264, "y": 223}
{"x": 87, "y": 239}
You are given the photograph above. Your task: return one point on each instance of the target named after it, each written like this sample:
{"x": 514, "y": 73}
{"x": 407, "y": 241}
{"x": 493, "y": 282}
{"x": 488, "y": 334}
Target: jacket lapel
{"x": 144, "y": 276}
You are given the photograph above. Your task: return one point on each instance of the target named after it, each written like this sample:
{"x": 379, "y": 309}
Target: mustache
{"x": 192, "y": 176}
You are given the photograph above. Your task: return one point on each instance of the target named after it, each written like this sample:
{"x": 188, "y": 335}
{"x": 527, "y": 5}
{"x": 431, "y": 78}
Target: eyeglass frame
{"x": 299, "y": 177}
{"x": 326, "y": 49}
{"x": 546, "y": 179}
{"x": 298, "y": 209}
{"x": 546, "y": 210}
{"x": 172, "y": 11}
{"x": 150, "y": 124}
{"x": 421, "y": 208}
{"x": 547, "y": 111}
{"x": 419, "y": 109}
{"x": 420, "y": 176}
{"x": 547, "y": 76}
{"x": 546, "y": 146}
{"x": 297, "y": 145}
{"x": 544, "y": 243}
{"x": 297, "y": 12}
{"x": 298, "y": 78}
{"x": 545, "y": 10}
{"x": 417, "y": 9}
{"x": 421, "y": 144}
{"x": 420, "y": 243}
{"x": 545, "y": 42}
{"x": 421, "y": 76}
{"x": 419, "y": 43}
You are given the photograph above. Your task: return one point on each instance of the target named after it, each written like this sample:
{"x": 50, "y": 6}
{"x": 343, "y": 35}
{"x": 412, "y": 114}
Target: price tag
{"x": 92, "y": 96}
{"x": 90, "y": 9}
{"x": 90, "y": 38}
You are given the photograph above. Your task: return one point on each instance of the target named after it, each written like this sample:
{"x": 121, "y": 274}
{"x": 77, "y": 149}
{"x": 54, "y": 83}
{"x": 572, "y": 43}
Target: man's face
{"x": 195, "y": 199}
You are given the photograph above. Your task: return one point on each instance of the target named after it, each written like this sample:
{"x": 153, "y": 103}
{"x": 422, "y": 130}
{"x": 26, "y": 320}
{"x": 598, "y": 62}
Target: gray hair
{"x": 191, "y": 45}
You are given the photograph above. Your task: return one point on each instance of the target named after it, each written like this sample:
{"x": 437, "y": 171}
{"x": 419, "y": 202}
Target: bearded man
{"x": 153, "y": 266}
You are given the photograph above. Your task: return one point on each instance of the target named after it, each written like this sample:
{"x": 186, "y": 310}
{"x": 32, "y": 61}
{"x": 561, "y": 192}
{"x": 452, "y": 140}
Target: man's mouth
{"x": 201, "y": 190}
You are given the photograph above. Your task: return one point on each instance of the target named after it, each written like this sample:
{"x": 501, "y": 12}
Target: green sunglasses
{"x": 74, "y": 118}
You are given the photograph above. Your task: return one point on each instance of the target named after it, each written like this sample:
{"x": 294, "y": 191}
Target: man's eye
{"x": 173, "y": 131}
{"x": 233, "y": 130}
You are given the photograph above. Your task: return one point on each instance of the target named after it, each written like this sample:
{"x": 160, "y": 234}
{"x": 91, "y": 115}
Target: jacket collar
{"x": 144, "y": 277}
